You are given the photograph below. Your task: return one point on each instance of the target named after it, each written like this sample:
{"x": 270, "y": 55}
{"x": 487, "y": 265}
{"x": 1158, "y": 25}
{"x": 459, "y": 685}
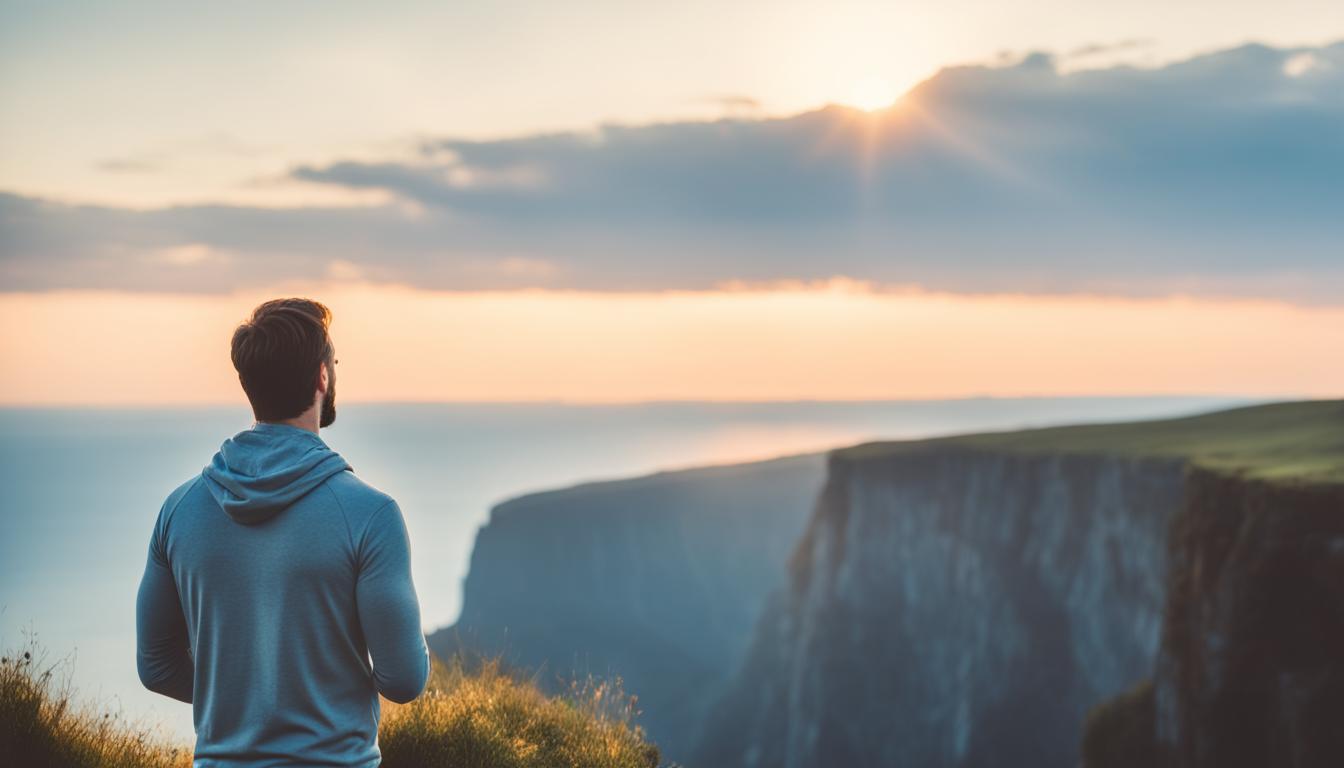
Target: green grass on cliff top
{"x": 1283, "y": 441}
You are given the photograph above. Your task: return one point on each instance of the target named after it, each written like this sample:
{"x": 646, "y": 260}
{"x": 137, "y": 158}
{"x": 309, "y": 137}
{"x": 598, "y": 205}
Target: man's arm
{"x": 388, "y": 610}
{"x": 162, "y": 652}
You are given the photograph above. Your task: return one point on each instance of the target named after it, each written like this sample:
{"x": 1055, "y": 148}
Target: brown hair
{"x": 278, "y": 353}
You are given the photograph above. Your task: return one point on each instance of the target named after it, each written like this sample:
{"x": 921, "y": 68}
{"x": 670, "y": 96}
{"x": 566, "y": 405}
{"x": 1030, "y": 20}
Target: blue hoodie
{"x": 272, "y": 577}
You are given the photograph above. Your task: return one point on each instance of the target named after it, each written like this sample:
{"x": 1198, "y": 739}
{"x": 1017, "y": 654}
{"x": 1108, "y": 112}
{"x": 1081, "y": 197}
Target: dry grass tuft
{"x": 41, "y": 725}
{"x": 484, "y": 719}
{"x": 487, "y": 719}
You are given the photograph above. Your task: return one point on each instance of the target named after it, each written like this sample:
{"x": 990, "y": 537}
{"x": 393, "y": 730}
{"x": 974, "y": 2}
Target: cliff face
{"x": 959, "y": 601}
{"x": 1251, "y": 670}
{"x": 951, "y": 606}
{"x": 658, "y": 580}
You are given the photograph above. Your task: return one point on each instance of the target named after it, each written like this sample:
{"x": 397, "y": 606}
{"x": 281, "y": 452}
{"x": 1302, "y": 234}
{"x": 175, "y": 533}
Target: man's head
{"x": 285, "y": 360}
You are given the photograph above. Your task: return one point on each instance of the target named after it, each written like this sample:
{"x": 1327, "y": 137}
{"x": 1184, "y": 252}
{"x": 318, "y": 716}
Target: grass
{"x": 42, "y": 725}
{"x": 1294, "y": 440}
{"x": 482, "y": 719}
{"x": 487, "y": 719}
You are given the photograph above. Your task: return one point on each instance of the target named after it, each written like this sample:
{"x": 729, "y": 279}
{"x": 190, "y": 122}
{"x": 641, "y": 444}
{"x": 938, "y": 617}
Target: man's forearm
{"x": 162, "y": 656}
{"x": 167, "y": 671}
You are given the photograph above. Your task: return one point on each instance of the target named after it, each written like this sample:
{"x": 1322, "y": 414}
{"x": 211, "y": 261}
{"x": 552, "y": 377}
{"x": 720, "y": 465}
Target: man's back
{"x": 281, "y": 572}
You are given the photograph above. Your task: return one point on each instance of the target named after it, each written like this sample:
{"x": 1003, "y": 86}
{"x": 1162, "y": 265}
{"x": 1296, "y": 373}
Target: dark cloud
{"x": 1217, "y": 175}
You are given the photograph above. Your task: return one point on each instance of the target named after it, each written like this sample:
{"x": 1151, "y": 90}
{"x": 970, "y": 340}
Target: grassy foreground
{"x": 483, "y": 719}
{"x": 42, "y": 725}
{"x": 487, "y": 719}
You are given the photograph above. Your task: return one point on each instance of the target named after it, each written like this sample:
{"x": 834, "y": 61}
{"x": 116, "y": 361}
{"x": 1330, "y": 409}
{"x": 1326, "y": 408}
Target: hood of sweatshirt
{"x": 260, "y": 471}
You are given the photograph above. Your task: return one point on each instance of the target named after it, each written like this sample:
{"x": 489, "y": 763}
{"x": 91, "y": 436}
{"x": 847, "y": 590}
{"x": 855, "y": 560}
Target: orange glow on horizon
{"x": 833, "y": 341}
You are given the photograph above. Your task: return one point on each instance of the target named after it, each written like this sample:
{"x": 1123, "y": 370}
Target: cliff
{"x": 966, "y": 601}
{"x": 955, "y": 607}
{"x": 658, "y": 580}
{"x": 1251, "y": 666}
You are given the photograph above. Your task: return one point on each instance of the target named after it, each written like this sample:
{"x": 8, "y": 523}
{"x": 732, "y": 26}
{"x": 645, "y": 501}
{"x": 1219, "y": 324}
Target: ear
{"x": 322, "y": 381}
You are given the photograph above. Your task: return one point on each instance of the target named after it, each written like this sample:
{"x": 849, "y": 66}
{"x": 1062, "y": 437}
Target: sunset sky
{"x": 615, "y": 202}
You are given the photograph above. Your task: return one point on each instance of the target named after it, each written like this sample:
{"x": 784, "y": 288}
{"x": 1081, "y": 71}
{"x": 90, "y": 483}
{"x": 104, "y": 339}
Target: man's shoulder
{"x": 193, "y": 484}
{"x": 190, "y": 493}
{"x": 355, "y": 495}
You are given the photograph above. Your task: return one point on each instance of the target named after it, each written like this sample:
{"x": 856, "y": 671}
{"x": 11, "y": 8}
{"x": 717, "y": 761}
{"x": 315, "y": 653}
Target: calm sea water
{"x": 80, "y": 488}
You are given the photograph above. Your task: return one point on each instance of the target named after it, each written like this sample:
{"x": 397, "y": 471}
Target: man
{"x": 275, "y": 574}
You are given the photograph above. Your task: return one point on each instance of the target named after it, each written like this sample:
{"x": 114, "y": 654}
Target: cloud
{"x": 1221, "y": 174}
{"x": 1098, "y": 49}
{"x": 139, "y": 164}
{"x": 221, "y": 145}
{"x": 733, "y": 103}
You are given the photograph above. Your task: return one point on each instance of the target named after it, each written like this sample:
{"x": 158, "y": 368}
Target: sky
{"x": 621, "y": 201}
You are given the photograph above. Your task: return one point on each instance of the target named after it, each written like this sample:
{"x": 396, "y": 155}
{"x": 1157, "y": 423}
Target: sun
{"x": 872, "y": 93}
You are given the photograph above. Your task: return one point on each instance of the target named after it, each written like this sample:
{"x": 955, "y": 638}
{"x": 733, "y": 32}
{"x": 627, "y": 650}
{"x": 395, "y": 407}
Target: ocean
{"x": 80, "y": 489}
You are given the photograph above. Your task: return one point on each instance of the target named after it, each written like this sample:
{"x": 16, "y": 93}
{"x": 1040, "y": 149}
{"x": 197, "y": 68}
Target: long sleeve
{"x": 389, "y": 612}
{"x": 162, "y": 649}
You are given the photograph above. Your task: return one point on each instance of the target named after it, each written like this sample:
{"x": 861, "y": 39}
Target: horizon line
{"x": 564, "y": 402}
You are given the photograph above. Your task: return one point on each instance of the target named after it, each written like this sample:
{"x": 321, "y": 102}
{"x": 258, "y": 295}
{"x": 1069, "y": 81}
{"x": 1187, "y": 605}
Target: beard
{"x": 328, "y": 404}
